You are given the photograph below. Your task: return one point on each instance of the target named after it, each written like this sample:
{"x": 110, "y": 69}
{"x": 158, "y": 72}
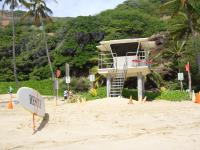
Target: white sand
{"x": 109, "y": 124}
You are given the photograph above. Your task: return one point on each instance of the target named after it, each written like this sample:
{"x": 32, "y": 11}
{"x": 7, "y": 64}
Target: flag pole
{"x": 181, "y": 85}
{"x": 57, "y": 91}
{"x": 58, "y": 73}
{"x": 189, "y": 79}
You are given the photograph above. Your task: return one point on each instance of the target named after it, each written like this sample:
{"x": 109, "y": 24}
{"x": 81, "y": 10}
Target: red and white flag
{"x": 187, "y": 67}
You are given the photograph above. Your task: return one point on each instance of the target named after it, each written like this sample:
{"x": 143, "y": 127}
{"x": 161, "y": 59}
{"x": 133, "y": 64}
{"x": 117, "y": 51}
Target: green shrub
{"x": 172, "y": 85}
{"x": 101, "y": 93}
{"x": 163, "y": 95}
{"x": 79, "y": 84}
{"x": 130, "y": 92}
{"x": 174, "y": 95}
{"x": 93, "y": 92}
{"x": 133, "y": 92}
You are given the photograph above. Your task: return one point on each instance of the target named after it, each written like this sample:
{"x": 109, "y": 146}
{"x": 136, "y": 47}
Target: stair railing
{"x": 124, "y": 73}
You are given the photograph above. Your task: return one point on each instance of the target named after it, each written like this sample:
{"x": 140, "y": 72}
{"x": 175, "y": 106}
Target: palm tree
{"x": 175, "y": 6}
{"x": 176, "y": 53}
{"x": 191, "y": 12}
{"x": 179, "y": 27}
{"x": 41, "y": 13}
{"x": 13, "y": 4}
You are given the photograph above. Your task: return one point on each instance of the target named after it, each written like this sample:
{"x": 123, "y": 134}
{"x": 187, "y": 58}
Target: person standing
{"x": 10, "y": 91}
{"x": 65, "y": 94}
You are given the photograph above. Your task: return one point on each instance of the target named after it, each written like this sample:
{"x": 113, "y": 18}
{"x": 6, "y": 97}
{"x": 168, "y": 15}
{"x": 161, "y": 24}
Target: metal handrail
{"x": 138, "y": 48}
{"x": 104, "y": 60}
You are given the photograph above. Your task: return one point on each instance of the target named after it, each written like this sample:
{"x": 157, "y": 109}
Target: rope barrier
{"x": 142, "y": 61}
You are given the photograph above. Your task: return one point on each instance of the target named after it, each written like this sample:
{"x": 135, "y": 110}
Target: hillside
{"x": 73, "y": 40}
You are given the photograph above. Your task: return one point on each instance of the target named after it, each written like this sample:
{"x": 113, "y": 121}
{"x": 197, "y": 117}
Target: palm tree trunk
{"x": 47, "y": 51}
{"x": 13, "y": 49}
{"x": 194, "y": 41}
{"x": 195, "y": 47}
{"x": 48, "y": 57}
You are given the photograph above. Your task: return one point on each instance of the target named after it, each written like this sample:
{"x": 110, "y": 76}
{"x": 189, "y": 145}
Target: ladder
{"x": 117, "y": 84}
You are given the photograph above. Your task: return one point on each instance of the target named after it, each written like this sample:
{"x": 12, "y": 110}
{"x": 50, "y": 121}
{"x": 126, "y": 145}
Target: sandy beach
{"x": 104, "y": 124}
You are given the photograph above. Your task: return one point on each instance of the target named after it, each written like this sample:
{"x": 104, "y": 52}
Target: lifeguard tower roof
{"x": 126, "y": 44}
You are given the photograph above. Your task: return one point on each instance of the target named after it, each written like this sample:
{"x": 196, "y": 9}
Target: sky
{"x": 73, "y": 8}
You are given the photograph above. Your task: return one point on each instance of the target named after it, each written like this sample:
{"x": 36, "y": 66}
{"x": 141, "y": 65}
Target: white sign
{"x": 31, "y": 100}
{"x": 68, "y": 80}
{"x": 180, "y": 76}
{"x": 92, "y": 78}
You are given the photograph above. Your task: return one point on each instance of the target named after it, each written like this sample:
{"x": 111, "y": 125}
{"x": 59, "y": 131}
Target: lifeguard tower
{"x": 120, "y": 59}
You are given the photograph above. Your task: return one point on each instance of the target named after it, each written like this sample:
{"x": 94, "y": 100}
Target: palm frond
{"x": 182, "y": 45}
{"x": 167, "y": 5}
{"x": 25, "y": 3}
{"x": 28, "y": 14}
{"x": 38, "y": 10}
{"x": 172, "y": 7}
{"x": 182, "y": 14}
{"x": 6, "y": 2}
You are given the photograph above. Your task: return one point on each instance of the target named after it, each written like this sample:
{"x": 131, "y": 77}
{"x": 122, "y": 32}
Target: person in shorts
{"x": 65, "y": 94}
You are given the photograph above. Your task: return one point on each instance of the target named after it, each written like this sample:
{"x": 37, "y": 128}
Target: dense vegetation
{"x": 71, "y": 40}
{"x": 74, "y": 41}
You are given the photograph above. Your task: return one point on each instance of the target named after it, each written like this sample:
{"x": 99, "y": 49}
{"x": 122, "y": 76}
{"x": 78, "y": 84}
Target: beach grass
{"x": 45, "y": 87}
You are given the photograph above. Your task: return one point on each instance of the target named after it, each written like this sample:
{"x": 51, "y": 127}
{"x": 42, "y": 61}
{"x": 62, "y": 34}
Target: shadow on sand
{"x": 43, "y": 123}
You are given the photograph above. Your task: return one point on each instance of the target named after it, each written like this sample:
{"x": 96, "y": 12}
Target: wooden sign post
{"x": 67, "y": 75}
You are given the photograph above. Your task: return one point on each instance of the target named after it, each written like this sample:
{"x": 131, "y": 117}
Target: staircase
{"x": 117, "y": 84}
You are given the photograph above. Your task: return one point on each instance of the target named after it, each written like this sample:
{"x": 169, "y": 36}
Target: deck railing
{"x": 132, "y": 59}
{"x": 137, "y": 59}
{"x": 106, "y": 60}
